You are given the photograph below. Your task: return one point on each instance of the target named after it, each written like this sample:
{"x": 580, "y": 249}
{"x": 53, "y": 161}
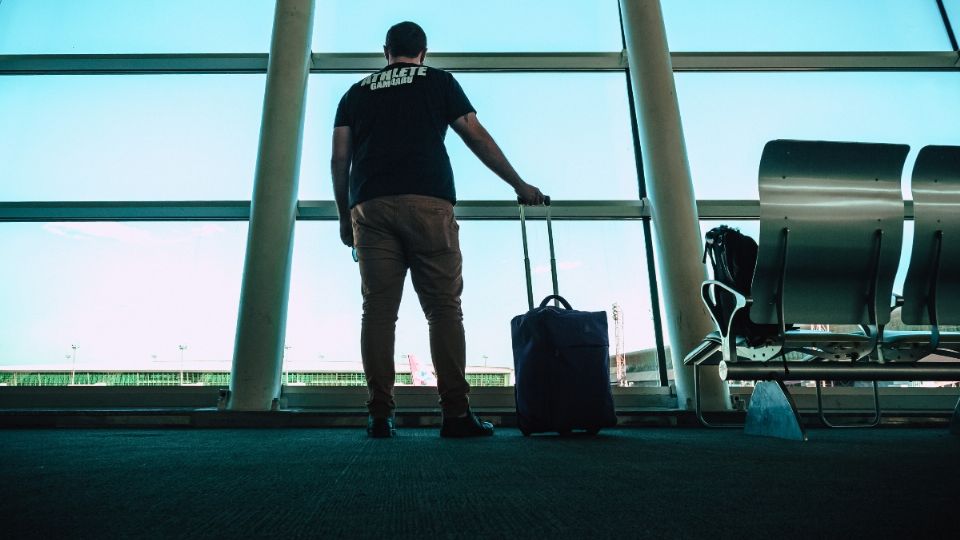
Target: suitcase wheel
{"x": 523, "y": 427}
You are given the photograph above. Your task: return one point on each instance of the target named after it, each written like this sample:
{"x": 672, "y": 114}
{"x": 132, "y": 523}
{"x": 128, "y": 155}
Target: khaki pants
{"x": 392, "y": 234}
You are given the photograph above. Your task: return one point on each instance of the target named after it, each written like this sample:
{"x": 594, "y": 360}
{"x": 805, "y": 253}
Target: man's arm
{"x": 340, "y": 171}
{"x": 479, "y": 141}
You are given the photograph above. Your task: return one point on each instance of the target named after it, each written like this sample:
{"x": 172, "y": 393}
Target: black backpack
{"x": 733, "y": 256}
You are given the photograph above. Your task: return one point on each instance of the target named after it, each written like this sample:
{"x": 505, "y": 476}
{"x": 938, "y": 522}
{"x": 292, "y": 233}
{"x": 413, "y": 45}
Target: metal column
{"x": 261, "y": 324}
{"x": 670, "y": 191}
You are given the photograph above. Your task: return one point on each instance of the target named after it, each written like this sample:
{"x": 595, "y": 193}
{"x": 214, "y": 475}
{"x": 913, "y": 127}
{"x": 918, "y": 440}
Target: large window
{"x": 728, "y": 118}
{"x": 231, "y": 26}
{"x": 144, "y": 137}
{"x": 152, "y": 295}
{"x": 953, "y": 12}
{"x": 126, "y": 294}
{"x": 141, "y": 26}
{"x": 600, "y": 263}
{"x": 804, "y": 25}
{"x": 567, "y": 133}
{"x": 489, "y": 26}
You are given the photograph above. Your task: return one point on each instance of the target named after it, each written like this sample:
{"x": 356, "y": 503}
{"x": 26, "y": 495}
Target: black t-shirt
{"x": 398, "y": 119}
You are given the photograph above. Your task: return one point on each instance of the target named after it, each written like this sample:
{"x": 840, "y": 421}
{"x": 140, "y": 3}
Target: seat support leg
{"x": 872, "y": 423}
{"x": 955, "y": 423}
{"x": 773, "y": 413}
{"x": 696, "y": 392}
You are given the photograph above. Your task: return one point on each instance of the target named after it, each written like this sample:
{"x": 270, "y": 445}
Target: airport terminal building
{"x": 760, "y": 197}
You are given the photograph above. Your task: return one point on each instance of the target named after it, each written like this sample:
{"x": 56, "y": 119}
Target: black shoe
{"x": 380, "y": 428}
{"x": 465, "y": 426}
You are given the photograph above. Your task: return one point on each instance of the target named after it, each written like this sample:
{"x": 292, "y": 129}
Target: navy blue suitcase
{"x": 561, "y": 360}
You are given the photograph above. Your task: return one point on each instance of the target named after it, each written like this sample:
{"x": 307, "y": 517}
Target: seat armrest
{"x": 741, "y": 299}
{"x": 708, "y": 299}
{"x": 728, "y": 341}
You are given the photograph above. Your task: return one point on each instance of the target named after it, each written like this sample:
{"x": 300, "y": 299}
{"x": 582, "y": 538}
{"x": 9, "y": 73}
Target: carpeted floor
{"x": 660, "y": 483}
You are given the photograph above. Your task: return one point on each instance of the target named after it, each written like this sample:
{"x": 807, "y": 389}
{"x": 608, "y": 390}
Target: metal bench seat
{"x": 835, "y": 346}
{"x": 819, "y": 344}
{"x": 831, "y": 223}
{"x": 918, "y": 336}
{"x": 831, "y": 228}
{"x": 893, "y": 338}
{"x": 912, "y": 346}
{"x": 931, "y": 292}
{"x": 816, "y": 344}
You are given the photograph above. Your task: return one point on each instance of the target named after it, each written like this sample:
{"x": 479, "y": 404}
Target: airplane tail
{"x": 423, "y": 375}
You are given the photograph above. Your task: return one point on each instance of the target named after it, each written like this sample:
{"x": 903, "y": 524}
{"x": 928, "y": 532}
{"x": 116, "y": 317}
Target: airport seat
{"x": 831, "y": 227}
{"x": 931, "y": 292}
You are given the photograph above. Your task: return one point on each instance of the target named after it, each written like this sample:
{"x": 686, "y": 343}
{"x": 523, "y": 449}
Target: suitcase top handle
{"x": 561, "y": 299}
{"x": 546, "y": 200}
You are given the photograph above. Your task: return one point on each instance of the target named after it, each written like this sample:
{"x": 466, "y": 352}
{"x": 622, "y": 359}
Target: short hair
{"x": 406, "y": 39}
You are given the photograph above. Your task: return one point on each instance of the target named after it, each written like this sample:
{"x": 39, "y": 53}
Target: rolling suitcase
{"x": 561, "y": 360}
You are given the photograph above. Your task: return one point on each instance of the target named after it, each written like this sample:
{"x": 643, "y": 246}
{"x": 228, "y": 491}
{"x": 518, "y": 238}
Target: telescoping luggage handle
{"x": 526, "y": 256}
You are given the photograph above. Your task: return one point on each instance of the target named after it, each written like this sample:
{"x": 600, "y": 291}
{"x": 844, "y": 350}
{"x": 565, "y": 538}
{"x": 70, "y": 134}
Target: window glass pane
{"x": 149, "y": 137}
{"x": 143, "y": 26}
{"x": 804, "y": 25}
{"x": 127, "y": 294}
{"x": 569, "y": 134}
{"x": 323, "y": 96}
{"x": 599, "y": 263}
{"x": 728, "y": 118}
{"x": 489, "y": 26}
{"x": 323, "y": 316}
{"x": 953, "y": 13}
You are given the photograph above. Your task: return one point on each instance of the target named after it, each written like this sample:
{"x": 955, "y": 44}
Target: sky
{"x": 130, "y": 293}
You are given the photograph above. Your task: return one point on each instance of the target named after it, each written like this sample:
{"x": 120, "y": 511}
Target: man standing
{"x": 395, "y": 194}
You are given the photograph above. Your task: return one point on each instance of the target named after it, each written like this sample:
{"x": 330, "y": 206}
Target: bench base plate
{"x": 772, "y": 413}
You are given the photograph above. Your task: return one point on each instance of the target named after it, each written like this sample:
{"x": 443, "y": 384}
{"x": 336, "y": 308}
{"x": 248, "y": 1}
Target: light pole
{"x": 286, "y": 375}
{"x": 65, "y": 357}
{"x": 182, "y": 348}
{"x": 73, "y": 370}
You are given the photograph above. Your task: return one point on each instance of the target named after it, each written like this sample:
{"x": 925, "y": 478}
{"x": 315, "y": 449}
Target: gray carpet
{"x": 658, "y": 483}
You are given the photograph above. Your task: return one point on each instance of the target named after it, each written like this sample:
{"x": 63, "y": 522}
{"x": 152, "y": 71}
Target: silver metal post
{"x": 553, "y": 258}
{"x": 261, "y": 324}
{"x": 839, "y": 371}
{"x": 672, "y": 201}
{"x": 526, "y": 257}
